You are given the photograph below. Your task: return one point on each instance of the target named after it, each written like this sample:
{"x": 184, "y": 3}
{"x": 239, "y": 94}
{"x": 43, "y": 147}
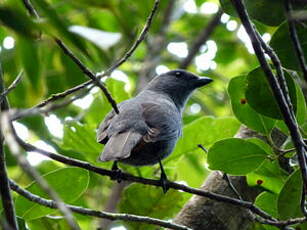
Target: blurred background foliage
{"x": 101, "y": 31}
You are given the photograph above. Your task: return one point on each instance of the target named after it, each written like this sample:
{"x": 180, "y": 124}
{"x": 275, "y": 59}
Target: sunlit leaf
{"x": 260, "y": 96}
{"x": 235, "y": 156}
{"x": 290, "y": 196}
{"x": 154, "y": 203}
{"x": 69, "y": 183}
{"x": 242, "y": 109}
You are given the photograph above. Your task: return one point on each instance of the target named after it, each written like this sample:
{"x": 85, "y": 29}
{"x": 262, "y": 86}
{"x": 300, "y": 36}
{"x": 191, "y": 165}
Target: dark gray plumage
{"x": 148, "y": 126}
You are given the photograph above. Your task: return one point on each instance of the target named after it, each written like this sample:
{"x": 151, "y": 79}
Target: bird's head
{"x": 178, "y": 85}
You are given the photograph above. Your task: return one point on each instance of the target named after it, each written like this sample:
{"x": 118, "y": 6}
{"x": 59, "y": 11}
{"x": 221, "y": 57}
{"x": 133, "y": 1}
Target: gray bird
{"x": 148, "y": 126}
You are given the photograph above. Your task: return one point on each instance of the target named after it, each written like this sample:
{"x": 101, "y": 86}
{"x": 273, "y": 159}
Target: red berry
{"x": 243, "y": 101}
{"x": 259, "y": 182}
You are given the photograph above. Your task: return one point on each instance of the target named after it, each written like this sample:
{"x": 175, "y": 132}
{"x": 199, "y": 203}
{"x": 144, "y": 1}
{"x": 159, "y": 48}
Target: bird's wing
{"x": 136, "y": 123}
{"x": 102, "y": 136}
{"x": 163, "y": 120}
{"x": 121, "y": 132}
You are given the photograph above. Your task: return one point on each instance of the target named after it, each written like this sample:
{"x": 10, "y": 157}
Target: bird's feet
{"x": 116, "y": 172}
{"x": 164, "y": 182}
{"x": 163, "y": 179}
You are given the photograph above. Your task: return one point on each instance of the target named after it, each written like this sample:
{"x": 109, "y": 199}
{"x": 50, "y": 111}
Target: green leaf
{"x": 268, "y": 12}
{"x": 52, "y": 223}
{"x": 282, "y": 37}
{"x": 242, "y": 109}
{"x": 260, "y": 97}
{"x": 69, "y": 183}
{"x": 290, "y": 197}
{"x": 269, "y": 176}
{"x": 18, "y": 21}
{"x": 235, "y": 156}
{"x": 267, "y": 202}
{"x": 209, "y": 130}
{"x": 81, "y": 138}
{"x": 58, "y": 24}
{"x": 28, "y": 51}
{"x": 149, "y": 201}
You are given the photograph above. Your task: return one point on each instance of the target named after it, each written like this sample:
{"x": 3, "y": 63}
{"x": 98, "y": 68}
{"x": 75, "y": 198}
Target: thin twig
{"x": 279, "y": 70}
{"x": 136, "y": 43}
{"x": 277, "y": 91}
{"x": 12, "y": 86}
{"x": 30, "y": 8}
{"x": 201, "y": 39}
{"x": 232, "y": 187}
{"x": 202, "y": 148}
{"x": 100, "y": 214}
{"x": 88, "y": 73}
{"x": 6, "y": 198}
{"x": 8, "y": 131}
{"x": 295, "y": 39}
{"x": 303, "y": 202}
{"x": 22, "y": 113}
{"x": 113, "y": 67}
{"x": 128, "y": 177}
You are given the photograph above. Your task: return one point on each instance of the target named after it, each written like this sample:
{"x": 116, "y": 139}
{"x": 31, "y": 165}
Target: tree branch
{"x": 88, "y": 73}
{"x": 94, "y": 78}
{"x": 128, "y": 177}
{"x": 8, "y": 131}
{"x": 5, "y": 92}
{"x": 295, "y": 39}
{"x": 6, "y": 198}
{"x": 201, "y": 39}
{"x": 277, "y": 91}
{"x": 89, "y": 212}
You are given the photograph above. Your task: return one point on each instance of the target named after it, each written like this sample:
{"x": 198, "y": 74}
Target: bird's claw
{"x": 164, "y": 182}
{"x": 117, "y": 173}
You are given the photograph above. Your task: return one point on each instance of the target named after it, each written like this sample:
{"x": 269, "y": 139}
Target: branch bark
{"x": 6, "y": 198}
{"x": 201, "y": 39}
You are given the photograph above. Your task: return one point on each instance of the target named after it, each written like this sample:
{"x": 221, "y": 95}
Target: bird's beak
{"x": 201, "y": 81}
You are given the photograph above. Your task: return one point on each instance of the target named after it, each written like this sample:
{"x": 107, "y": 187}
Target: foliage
{"x": 240, "y": 95}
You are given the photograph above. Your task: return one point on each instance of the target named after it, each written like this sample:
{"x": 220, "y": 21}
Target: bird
{"x": 147, "y": 127}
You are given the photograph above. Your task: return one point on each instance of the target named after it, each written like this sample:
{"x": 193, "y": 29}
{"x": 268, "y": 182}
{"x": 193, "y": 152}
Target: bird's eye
{"x": 177, "y": 74}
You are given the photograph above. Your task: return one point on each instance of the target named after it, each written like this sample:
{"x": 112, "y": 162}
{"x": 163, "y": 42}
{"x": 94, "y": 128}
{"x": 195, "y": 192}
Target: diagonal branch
{"x": 295, "y": 39}
{"x": 5, "y": 92}
{"x": 128, "y": 177}
{"x": 201, "y": 39}
{"x": 88, "y": 73}
{"x": 100, "y": 214}
{"x": 8, "y": 131}
{"x": 277, "y": 90}
{"x": 94, "y": 78}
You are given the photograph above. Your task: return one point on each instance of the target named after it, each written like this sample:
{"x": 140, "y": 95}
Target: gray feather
{"x": 119, "y": 146}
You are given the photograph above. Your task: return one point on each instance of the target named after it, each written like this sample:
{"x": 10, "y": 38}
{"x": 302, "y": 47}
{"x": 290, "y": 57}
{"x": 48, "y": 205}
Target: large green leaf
{"x": 59, "y": 25}
{"x": 205, "y": 131}
{"x": 82, "y": 139}
{"x": 267, "y": 202}
{"x": 243, "y": 111}
{"x": 290, "y": 196}
{"x": 52, "y": 223}
{"x": 235, "y": 156}
{"x": 269, "y": 176}
{"x": 149, "y": 201}
{"x": 260, "y": 96}
{"x": 69, "y": 183}
{"x": 18, "y": 21}
{"x": 28, "y": 52}
{"x": 268, "y": 12}
{"x": 283, "y": 45}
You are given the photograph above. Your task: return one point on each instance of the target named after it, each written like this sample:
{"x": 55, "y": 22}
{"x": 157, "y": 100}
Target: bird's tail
{"x": 119, "y": 146}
